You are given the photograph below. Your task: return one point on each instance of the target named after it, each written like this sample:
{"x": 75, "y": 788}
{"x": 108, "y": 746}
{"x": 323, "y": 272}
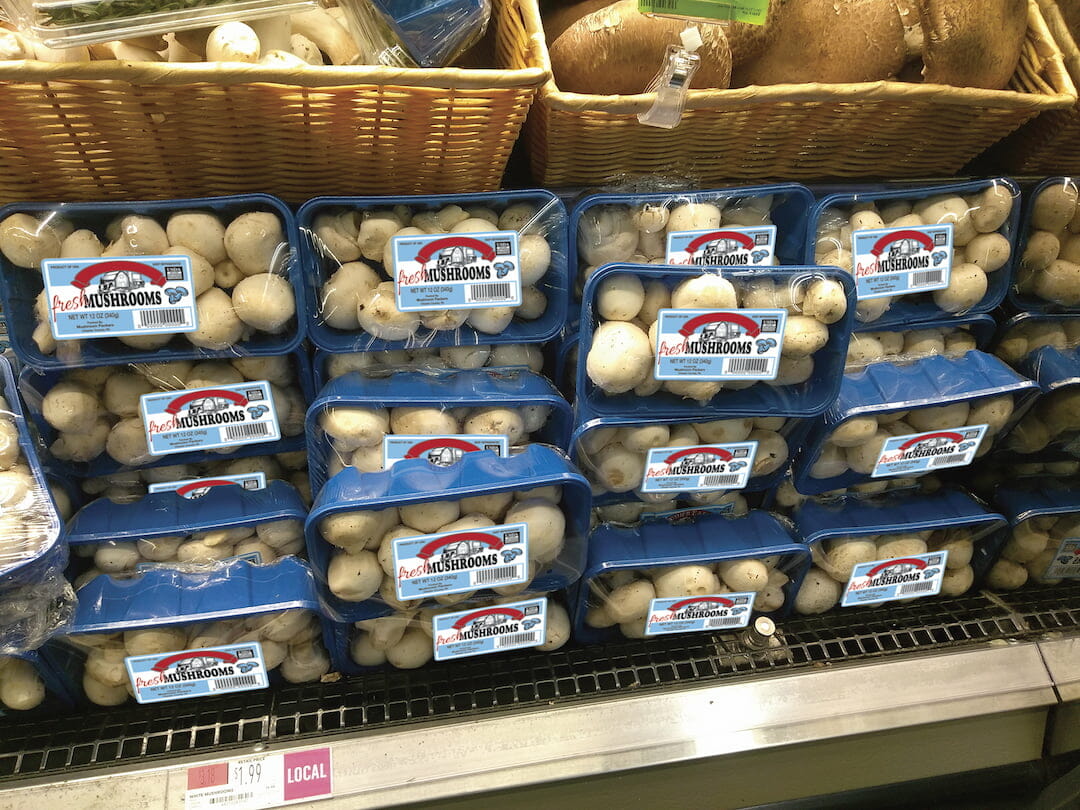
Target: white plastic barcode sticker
{"x": 703, "y": 344}
{"x": 899, "y": 578}
{"x": 902, "y": 261}
{"x": 115, "y": 297}
{"x": 456, "y": 271}
{"x": 499, "y": 628}
{"x": 197, "y": 673}
{"x": 916, "y": 453}
{"x": 205, "y": 418}
{"x": 259, "y": 782}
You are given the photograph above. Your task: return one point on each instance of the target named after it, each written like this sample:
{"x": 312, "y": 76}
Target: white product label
{"x": 898, "y": 578}
{"x": 491, "y": 629}
{"x": 442, "y": 451}
{"x": 902, "y": 261}
{"x": 99, "y": 297}
{"x": 433, "y": 565}
{"x": 456, "y": 271}
{"x": 197, "y": 487}
{"x": 918, "y": 453}
{"x": 206, "y": 418}
{"x": 1066, "y": 563}
{"x": 725, "y": 247}
{"x": 695, "y": 614}
{"x": 197, "y": 673}
{"x": 702, "y": 468}
{"x": 703, "y": 344}
{"x": 260, "y": 782}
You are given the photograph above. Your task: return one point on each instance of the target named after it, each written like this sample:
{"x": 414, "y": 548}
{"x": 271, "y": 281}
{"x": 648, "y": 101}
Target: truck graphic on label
{"x": 463, "y": 548}
{"x": 197, "y": 663}
{"x": 721, "y": 330}
{"x": 713, "y": 252}
{"x": 904, "y": 247}
{"x": 121, "y": 280}
{"x": 445, "y": 456}
{"x": 209, "y": 405}
{"x": 458, "y": 257}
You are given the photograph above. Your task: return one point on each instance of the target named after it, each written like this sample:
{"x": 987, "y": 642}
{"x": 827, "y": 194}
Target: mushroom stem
{"x": 326, "y": 32}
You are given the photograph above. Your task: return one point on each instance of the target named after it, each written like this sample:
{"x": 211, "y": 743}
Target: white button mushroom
{"x": 620, "y": 358}
{"x": 354, "y": 576}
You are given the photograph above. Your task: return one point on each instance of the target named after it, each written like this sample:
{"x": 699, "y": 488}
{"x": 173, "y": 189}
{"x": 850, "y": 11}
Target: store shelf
{"x": 579, "y": 711}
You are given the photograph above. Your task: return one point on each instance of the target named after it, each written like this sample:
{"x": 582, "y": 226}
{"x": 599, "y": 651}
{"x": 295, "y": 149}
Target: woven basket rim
{"x": 815, "y": 92}
{"x": 537, "y": 72}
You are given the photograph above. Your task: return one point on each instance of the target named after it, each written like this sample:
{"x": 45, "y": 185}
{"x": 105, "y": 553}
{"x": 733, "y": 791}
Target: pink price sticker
{"x": 260, "y": 782}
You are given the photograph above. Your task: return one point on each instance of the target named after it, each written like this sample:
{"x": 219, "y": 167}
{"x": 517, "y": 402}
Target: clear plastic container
{"x": 415, "y": 33}
{"x": 68, "y": 23}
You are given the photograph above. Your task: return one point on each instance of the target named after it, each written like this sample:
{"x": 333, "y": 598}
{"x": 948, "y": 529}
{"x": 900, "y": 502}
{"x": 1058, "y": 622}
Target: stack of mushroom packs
{"x": 433, "y": 419}
{"x": 700, "y": 357}
{"x": 160, "y": 349}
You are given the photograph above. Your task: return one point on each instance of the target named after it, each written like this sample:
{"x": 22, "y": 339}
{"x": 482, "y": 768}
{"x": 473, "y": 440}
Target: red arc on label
{"x": 432, "y": 444}
{"x": 956, "y": 438}
{"x": 742, "y": 238}
{"x": 513, "y": 613}
{"x": 719, "y": 600}
{"x": 165, "y": 663}
{"x": 462, "y": 537}
{"x": 431, "y": 248}
{"x": 689, "y": 451}
{"x": 206, "y": 482}
{"x": 87, "y": 274}
{"x": 873, "y": 572}
{"x": 178, "y": 404}
{"x": 889, "y": 238}
{"x": 692, "y": 325}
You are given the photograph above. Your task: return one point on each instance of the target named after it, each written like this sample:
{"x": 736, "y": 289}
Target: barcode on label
{"x": 233, "y": 798}
{"x": 915, "y": 587}
{"x": 926, "y": 277}
{"x": 950, "y": 460}
{"x": 155, "y": 318}
{"x": 748, "y": 365}
{"x": 234, "y": 682}
{"x": 518, "y": 640}
{"x": 671, "y": 5}
{"x": 722, "y": 621}
{"x": 720, "y": 480}
{"x": 490, "y": 576}
{"x": 489, "y": 292}
{"x": 233, "y": 432}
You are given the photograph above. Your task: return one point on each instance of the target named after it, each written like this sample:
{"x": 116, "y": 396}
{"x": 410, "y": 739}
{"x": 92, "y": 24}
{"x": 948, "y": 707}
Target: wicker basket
{"x": 1051, "y": 143}
{"x": 116, "y": 130}
{"x": 795, "y": 131}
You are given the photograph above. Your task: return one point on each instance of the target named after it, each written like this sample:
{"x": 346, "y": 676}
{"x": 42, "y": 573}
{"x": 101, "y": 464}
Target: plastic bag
{"x": 905, "y": 344}
{"x": 920, "y": 254}
{"x": 1048, "y": 278}
{"x": 899, "y": 546}
{"x": 1041, "y": 544}
{"x": 644, "y": 228}
{"x": 168, "y": 529}
{"x": 238, "y": 625}
{"x": 421, "y": 534}
{"x": 904, "y": 421}
{"x": 709, "y": 573}
{"x": 355, "y": 419}
{"x": 669, "y": 460}
{"x": 415, "y": 33}
{"x": 95, "y": 421}
{"x": 667, "y": 341}
{"x": 405, "y": 639}
{"x": 150, "y": 281}
{"x": 469, "y": 269}
{"x": 462, "y": 358}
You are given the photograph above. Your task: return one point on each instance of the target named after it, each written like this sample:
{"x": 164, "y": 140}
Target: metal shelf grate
{"x": 38, "y": 746}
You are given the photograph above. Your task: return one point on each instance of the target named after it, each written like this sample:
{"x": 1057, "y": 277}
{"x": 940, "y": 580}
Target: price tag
{"x": 258, "y": 782}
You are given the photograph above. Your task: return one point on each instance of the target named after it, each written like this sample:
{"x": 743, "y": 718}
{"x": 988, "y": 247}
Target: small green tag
{"x": 747, "y": 11}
